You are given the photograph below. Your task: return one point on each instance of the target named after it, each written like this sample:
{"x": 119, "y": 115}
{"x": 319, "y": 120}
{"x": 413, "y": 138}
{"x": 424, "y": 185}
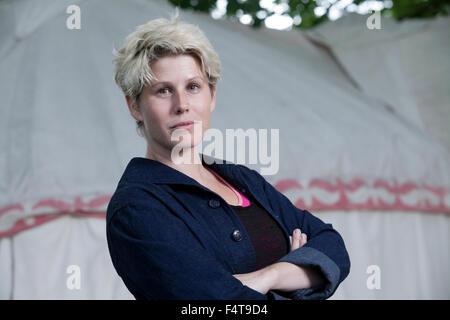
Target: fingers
{"x": 298, "y": 239}
{"x": 304, "y": 239}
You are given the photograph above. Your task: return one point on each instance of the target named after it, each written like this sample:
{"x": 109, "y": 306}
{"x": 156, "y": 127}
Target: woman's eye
{"x": 166, "y": 90}
{"x": 163, "y": 90}
{"x": 195, "y": 86}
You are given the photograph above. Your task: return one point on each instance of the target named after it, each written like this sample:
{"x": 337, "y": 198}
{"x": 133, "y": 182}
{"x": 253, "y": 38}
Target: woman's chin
{"x": 185, "y": 145}
{"x": 187, "y": 141}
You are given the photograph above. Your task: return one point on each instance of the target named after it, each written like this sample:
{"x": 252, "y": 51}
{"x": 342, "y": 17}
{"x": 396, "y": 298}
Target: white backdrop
{"x": 379, "y": 178}
{"x": 403, "y": 65}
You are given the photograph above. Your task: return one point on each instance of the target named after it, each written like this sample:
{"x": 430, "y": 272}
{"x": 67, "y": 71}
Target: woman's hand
{"x": 260, "y": 280}
{"x": 265, "y": 279}
{"x": 298, "y": 239}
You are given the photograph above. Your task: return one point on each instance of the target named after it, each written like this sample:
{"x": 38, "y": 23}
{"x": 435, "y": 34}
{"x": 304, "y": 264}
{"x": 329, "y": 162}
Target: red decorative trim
{"x": 34, "y": 221}
{"x": 28, "y": 223}
{"x": 61, "y": 206}
{"x": 14, "y": 218}
{"x": 11, "y": 208}
{"x": 317, "y": 195}
{"x": 78, "y": 204}
{"x": 359, "y": 194}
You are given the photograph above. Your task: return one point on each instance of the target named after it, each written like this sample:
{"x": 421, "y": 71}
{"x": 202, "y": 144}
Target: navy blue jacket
{"x": 171, "y": 238}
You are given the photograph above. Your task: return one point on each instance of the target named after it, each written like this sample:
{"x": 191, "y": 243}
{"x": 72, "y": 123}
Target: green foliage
{"x": 401, "y": 9}
{"x": 197, "y": 5}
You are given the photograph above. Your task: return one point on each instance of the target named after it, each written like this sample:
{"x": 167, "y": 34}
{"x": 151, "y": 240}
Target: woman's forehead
{"x": 175, "y": 68}
{"x": 175, "y": 61}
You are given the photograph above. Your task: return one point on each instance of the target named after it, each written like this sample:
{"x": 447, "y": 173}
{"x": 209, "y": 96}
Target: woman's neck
{"x": 187, "y": 161}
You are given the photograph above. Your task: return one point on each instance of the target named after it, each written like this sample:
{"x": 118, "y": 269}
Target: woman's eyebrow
{"x": 168, "y": 82}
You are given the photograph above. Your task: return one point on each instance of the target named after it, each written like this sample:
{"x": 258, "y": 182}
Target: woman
{"x": 181, "y": 225}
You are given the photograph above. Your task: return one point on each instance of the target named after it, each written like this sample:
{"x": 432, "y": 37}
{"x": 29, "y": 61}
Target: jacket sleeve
{"x": 160, "y": 258}
{"x": 325, "y": 249}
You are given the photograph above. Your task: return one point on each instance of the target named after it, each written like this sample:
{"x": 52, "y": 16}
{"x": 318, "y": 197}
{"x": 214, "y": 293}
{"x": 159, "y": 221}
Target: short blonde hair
{"x": 156, "y": 39}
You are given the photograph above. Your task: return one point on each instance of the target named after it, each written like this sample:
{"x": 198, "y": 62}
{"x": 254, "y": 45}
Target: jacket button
{"x": 213, "y": 203}
{"x": 236, "y": 235}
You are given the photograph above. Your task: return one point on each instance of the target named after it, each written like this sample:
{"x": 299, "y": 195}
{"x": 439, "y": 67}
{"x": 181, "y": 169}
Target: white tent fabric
{"x": 43, "y": 258}
{"x": 67, "y": 137}
{"x": 400, "y": 79}
{"x": 409, "y": 248}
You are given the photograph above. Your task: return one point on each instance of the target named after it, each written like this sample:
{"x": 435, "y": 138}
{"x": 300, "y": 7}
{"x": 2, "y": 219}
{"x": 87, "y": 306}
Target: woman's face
{"x": 180, "y": 94}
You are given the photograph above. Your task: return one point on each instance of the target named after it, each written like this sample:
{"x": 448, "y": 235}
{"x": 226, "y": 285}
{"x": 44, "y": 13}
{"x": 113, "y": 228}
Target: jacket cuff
{"x": 310, "y": 257}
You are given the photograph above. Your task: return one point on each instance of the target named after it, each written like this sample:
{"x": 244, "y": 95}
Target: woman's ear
{"x": 213, "y": 99}
{"x": 136, "y": 114}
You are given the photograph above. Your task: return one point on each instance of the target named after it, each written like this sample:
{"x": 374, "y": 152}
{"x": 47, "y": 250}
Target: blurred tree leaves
{"x": 402, "y": 9}
{"x": 305, "y": 9}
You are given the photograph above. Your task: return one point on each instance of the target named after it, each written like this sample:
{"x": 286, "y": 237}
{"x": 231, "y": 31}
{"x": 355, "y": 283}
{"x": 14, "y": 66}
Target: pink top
{"x": 243, "y": 201}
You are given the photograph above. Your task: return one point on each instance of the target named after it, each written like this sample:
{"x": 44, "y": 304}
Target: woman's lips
{"x": 183, "y": 125}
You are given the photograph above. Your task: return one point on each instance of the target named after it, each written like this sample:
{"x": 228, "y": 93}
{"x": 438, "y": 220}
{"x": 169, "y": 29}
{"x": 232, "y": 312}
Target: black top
{"x": 265, "y": 234}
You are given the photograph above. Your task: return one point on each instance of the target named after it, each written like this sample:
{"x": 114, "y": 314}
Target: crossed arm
{"x": 283, "y": 276}
{"x": 153, "y": 267}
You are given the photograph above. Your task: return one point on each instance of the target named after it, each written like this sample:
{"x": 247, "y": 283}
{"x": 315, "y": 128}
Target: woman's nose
{"x": 182, "y": 108}
{"x": 181, "y": 103}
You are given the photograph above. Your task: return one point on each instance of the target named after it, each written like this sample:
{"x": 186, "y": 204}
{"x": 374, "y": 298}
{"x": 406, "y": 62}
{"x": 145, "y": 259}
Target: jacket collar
{"x": 148, "y": 171}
